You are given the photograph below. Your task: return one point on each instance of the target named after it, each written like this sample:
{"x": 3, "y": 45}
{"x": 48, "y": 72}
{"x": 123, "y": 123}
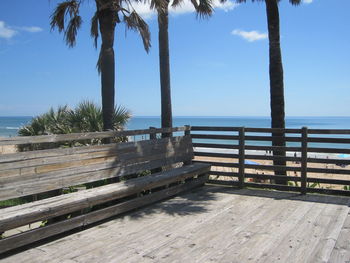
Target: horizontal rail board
{"x": 220, "y": 164}
{"x": 28, "y": 156}
{"x": 214, "y": 145}
{"x": 217, "y": 155}
{"x": 220, "y": 173}
{"x": 82, "y": 136}
{"x": 329, "y": 161}
{"x": 272, "y": 130}
{"x": 247, "y": 138}
{"x": 214, "y": 137}
{"x": 328, "y": 150}
{"x": 328, "y": 140}
{"x": 328, "y": 131}
{"x": 270, "y": 138}
{"x": 236, "y": 129}
{"x": 330, "y": 171}
{"x": 213, "y": 128}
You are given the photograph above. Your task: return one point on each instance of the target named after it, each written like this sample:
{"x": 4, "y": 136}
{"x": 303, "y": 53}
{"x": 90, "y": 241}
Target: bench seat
{"x": 45, "y": 172}
{"x": 63, "y": 204}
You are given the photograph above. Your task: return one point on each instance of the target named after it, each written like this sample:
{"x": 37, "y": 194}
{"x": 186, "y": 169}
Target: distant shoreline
{"x": 9, "y": 125}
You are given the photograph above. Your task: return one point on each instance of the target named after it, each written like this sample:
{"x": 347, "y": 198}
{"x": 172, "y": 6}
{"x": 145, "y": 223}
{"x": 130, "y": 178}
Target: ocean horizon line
{"x": 199, "y": 116}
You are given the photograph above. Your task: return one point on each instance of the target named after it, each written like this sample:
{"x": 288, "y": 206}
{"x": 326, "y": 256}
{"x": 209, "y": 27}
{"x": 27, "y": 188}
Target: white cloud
{"x": 31, "y": 29}
{"x": 250, "y": 36}
{"x": 5, "y": 31}
{"x": 308, "y": 1}
{"x": 186, "y": 6}
{"x": 8, "y": 32}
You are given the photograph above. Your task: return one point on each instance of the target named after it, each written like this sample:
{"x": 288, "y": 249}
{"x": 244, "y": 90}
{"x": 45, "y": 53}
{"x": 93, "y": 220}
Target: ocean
{"x": 9, "y": 126}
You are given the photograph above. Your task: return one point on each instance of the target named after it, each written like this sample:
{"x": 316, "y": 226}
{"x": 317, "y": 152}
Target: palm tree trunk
{"x": 164, "y": 69}
{"x": 107, "y": 66}
{"x": 276, "y": 83}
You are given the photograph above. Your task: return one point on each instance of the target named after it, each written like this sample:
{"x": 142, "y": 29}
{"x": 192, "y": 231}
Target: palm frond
{"x": 177, "y": 3}
{"x": 295, "y": 2}
{"x": 205, "y": 8}
{"x": 94, "y": 28}
{"x": 72, "y": 30}
{"x": 99, "y": 62}
{"x": 121, "y": 116}
{"x": 59, "y": 17}
{"x": 159, "y": 5}
{"x": 195, "y": 4}
{"x": 135, "y": 22}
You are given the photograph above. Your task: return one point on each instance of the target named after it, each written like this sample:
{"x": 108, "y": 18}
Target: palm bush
{"x": 86, "y": 117}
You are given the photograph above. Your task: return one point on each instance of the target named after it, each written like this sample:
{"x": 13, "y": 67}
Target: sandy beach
{"x": 268, "y": 162}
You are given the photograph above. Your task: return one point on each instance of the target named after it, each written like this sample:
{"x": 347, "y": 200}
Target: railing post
{"x": 152, "y": 134}
{"x": 188, "y": 133}
{"x": 303, "y": 159}
{"x": 187, "y": 130}
{"x": 241, "y": 152}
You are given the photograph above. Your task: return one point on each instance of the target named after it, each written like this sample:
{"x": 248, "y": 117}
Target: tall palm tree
{"x": 276, "y": 79}
{"x": 203, "y": 8}
{"x": 108, "y": 14}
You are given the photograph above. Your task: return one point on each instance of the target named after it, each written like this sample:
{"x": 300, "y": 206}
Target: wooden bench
{"x": 36, "y": 172}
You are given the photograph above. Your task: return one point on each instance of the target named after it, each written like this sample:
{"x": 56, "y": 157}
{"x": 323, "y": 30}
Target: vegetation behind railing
{"x": 236, "y": 154}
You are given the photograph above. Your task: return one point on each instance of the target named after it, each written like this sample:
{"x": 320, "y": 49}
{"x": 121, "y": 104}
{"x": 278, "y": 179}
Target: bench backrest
{"x": 35, "y": 172}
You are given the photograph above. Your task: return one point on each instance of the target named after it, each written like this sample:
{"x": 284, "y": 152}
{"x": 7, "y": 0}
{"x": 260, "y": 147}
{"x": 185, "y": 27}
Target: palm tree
{"x": 108, "y": 14}
{"x": 204, "y": 9}
{"x": 276, "y": 79}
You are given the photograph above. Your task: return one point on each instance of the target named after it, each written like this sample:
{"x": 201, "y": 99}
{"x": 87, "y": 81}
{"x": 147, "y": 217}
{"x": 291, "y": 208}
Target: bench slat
{"x": 86, "y": 219}
{"x": 58, "y": 156}
{"x": 28, "y": 213}
{"x": 129, "y": 158}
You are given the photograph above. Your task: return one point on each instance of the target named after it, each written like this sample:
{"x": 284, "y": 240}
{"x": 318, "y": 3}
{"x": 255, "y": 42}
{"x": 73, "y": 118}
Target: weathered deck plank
{"x": 341, "y": 251}
{"x": 213, "y": 224}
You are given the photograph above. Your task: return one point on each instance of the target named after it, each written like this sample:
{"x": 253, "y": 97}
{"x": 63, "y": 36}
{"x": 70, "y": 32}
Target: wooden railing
{"x": 316, "y": 160}
{"x": 244, "y": 156}
{"x": 76, "y": 137}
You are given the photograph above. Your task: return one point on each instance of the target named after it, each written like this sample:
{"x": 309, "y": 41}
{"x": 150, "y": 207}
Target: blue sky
{"x": 219, "y": 66}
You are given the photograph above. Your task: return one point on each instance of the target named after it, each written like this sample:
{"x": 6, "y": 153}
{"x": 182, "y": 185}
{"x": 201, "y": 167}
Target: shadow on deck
{"x": 212, "y": 224}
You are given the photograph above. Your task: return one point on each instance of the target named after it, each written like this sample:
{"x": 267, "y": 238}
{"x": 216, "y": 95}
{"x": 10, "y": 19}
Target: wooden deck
{"x": 213, "y": 224}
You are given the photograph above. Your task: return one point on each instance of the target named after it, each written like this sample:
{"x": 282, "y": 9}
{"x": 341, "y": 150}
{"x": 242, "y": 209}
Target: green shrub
{"x": 86, "y": 117}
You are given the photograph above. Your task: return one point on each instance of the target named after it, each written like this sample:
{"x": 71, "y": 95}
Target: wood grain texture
{"x": 80, "y": 136}
{"x": 212, "y": 224}
{"x": 41, "y": 174}
{"x": 84, "y": 220}
{"x": 27, "y": 213}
